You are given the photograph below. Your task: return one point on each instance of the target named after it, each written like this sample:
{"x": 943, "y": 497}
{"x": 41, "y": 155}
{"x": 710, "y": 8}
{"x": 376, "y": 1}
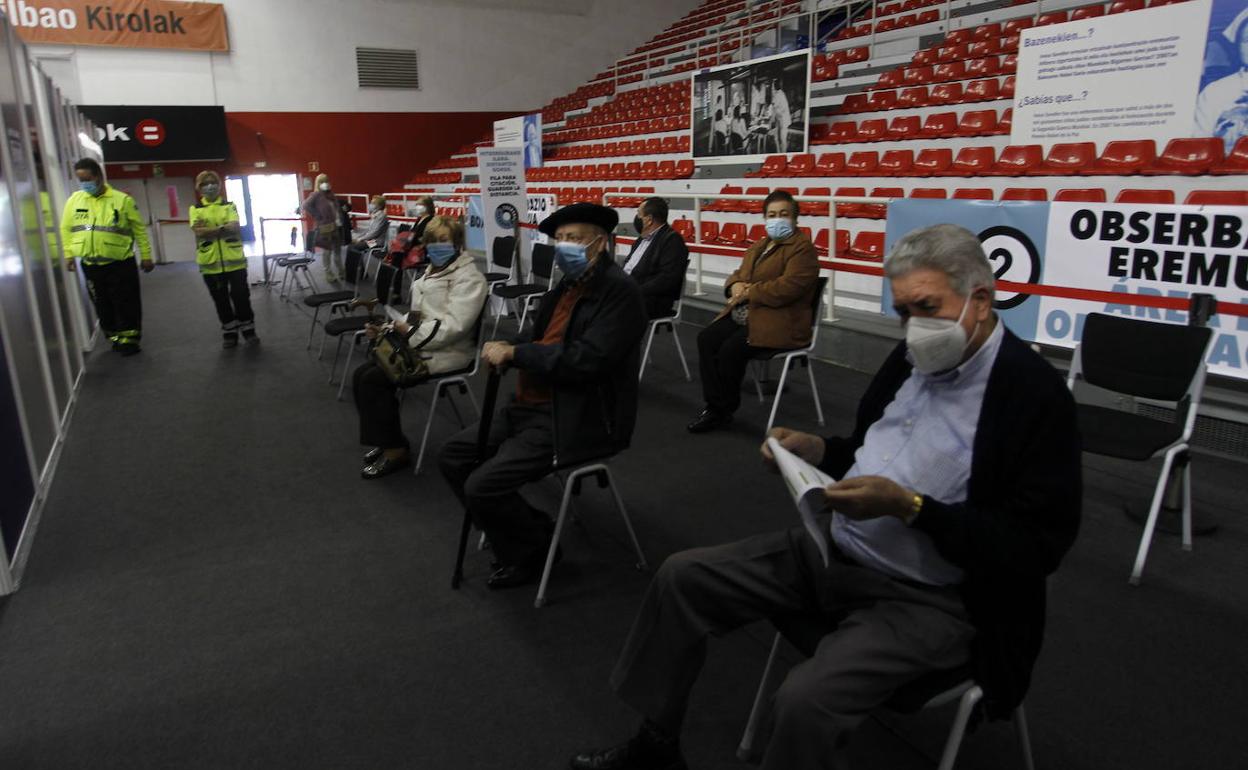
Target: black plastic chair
{"x": 541, "y": 276}
{"x": 443, "y": 381}
{"x": 1148, "y": 360}
{"x": 354, "y": 324}
{"x": 502, "y": 254}
{"x": 928, "y": 691}
{"x": 336, "y": 300}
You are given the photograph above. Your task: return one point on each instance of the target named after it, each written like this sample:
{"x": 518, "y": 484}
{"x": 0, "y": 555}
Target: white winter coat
{"x": 455, "y": 296}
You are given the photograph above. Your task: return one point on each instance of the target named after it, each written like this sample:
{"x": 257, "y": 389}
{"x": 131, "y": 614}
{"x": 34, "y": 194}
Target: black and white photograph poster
{"x": 748, "y": 110}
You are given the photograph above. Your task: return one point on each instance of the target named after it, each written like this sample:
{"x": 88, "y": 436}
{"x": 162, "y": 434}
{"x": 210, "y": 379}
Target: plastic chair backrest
{"x": 543, "y": 262}
{"x": 502, "y": 251}
{"x": 1146, "y": 359}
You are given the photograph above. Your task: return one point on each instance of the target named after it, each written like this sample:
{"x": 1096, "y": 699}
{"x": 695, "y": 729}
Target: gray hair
{"x": 950, "y": 249}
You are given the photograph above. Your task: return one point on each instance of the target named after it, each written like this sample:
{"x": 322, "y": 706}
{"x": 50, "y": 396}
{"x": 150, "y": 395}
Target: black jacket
{"x": 593, "y": 373}
{"x": 1021, "y": 514}
{"x": 661, "y": 271}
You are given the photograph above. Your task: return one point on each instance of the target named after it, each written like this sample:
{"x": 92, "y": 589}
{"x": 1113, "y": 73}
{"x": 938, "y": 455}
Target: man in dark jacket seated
{"x": 958, "y": 493}
{"x": 576, "y": 394}
{"x": 658, "y": 259}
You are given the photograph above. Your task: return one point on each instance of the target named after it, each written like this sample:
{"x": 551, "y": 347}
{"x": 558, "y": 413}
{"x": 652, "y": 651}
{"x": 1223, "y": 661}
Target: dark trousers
{"x": 232, "y": 296}
{"x": 520, "y": 449}
{"x": 377, "y": 401}
{"x": 893, "y": 631}
{"x": 114, "y": 290}
{"x": 723, "y": 356}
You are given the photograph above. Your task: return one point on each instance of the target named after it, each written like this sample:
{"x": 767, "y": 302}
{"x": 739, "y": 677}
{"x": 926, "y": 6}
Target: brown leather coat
{"x": 783, "y": 276}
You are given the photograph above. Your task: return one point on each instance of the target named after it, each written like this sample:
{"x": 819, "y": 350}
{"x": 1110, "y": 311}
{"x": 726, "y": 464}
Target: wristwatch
{"x": 916, "y": 507}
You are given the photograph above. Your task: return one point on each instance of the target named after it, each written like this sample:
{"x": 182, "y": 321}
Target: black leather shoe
{"x": 250, "y": 338}
{"x": 384, "y": 467}
{"x": 513, "y": 575}
{"x": 637, "y": 754}
{"x": 229, "y": 340}
{"x": 373, "y": 455}
{"x": 708, "y": 421}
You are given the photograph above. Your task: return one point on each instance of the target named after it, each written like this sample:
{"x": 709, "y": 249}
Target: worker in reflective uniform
{"x": 219, "y": 252}
{"x": 101, "y": 226}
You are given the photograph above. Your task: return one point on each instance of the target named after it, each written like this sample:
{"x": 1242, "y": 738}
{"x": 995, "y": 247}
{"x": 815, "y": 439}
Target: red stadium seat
{"x": 987, "y": 32}
{"x": 896, "y": 163}
{"x": 1055, "y": 17}
{"x": 954, "y": 70}
{"x": 890, "y": 79}
{"x": 868, "y": 245}
{"x": 756, "y": 233}
{"x": 978, "y": 123}
{"x": 801, "y": 165}
{"x": 667, "y": 169}
{"x": 1236, "y": 162}
{"x": 1009, "y": 44}
{"x": 946, "y": 93}
{"x": 873, "y": 130}
{"x": 982, "y": 48}
{"x": 1006, "y": 122}
{"x": 849, "y": 209}
{"x": 939, "y": 125}
{"x": 842, "y": 243}
{"x": 1081, "y": 195}
{"x": 632, "y": 171}
{"x": 1009, "y": 64}
{"x": 1015, "y": 26}
{"x": 925, "y": 57}
{"x": 972, "y": 161}
{"x": 880, "y": 210}
{"x": 684, "y": 228}
{"x": 983, "y": 91}
{"x": 973, "y": 194}
{"x": 1217, "y": 198}
{"x": 1124, "y": 157}
{"x": 904, "y": 127}
{"x": 915, "y": 96}
{"x": 862, "y": 163}
{"x": 1087, "y": 12}
{"x": 773, "y": 165}
{"x": 684, "y": 169}
{"x": 715, "y": 205}
{"x": 830, "y": 164}
{"x": 982, "y": 68}
{"x": 932, "y": 161}
{"x": 821, "y": 242}
{"x": 927, "y": 17}
{"x": 959, "y": 37}
{"x": 814, "y": 208}
{"x": 1067, "y": 159}
{"x": 917, "y": 76}
{"x": 650, "y": 170}
{"x": 951, "y": 52}
{"x": 1025, "y": 194}
{"x": 882, "y": 100}
{"x": 732, "y": 234}
{"x": 855, "y": 103}
{"x": 1017, "y": 160}
{"x": 1188, "y": 156}
{"x": 1007, "y": 88}
{"x": 1145, "y": 196}
{"x": 843, "y": 131}
{"x": 1123, "y": 6}
{"x": 928, "y": 192}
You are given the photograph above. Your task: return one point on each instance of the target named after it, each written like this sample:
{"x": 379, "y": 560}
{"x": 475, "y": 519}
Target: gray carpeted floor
{"x": 213, "y": 586}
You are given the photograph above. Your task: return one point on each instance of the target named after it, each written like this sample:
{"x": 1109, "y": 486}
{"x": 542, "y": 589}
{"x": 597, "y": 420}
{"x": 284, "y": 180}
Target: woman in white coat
{"x": 446, "y": 302}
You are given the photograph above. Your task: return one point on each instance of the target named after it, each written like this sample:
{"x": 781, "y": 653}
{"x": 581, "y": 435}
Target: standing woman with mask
{"x": 101, "y": 226}
{"x": 768, "y": 310}
{"x": 219, "y": 253}
{"x": 446, "y": 301}
{"x": 322, "y": 207}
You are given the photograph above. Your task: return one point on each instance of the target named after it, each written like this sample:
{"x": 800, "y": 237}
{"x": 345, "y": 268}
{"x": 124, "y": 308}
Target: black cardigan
{"x": 1021, "y": 514}
{"x": 661, "y": 271}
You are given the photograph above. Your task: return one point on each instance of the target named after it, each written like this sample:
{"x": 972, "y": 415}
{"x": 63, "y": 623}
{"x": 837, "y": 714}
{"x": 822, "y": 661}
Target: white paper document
{"x": 806, "y": 483}
{"x": 395, "y": 315}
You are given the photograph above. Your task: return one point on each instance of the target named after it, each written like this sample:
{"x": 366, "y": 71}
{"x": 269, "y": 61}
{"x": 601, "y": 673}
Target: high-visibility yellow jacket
{"x": 101, "y": 229}
{"x": 214, "y": 254}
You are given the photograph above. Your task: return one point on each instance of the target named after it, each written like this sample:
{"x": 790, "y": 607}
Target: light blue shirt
{"x": 923, "y": 442}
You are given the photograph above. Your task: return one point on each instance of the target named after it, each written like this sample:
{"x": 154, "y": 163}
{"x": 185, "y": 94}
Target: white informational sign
{"x": 1132, "y": 76}
{"x": 1163, "y": 251}
{"x": 503, "y": 204}
{"x": 521, "y": 131}
{"x": 540, "y": 207}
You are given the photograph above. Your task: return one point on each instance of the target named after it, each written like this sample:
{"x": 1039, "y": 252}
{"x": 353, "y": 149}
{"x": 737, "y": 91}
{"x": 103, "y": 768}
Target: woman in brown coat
{"x": 769, "y": 308}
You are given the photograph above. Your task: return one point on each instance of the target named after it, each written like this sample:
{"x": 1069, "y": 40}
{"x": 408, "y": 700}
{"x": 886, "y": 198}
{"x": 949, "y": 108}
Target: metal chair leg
{"x": 645, "y": 357}
{"x": 540, "y": 601}
{"x": 424, "y": 439}
{"x": 775, "y": 402}
{"x": 814, "y": 389}
{"x": 1187, "y": 506}
{"x": 681, "y": 352}
{"x": 347, "y": 366}
{"x": 316, "y": 313}
{"x": 333, "y": 367}
{"x": 758, "y": 382}
{"x": 1024, "y": 737}
{"x": 628, "y": 523}
{"x": 965, "y": 706}
{"x": 746, "y": 747}
{"x": 1149, "y": 526}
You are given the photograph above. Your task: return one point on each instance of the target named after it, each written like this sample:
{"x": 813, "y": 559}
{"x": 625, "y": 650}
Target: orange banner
{"x": 126, "y": 23}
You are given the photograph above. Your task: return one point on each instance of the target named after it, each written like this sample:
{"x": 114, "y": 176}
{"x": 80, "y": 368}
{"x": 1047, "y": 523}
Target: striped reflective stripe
{"x": 101, "y": 229}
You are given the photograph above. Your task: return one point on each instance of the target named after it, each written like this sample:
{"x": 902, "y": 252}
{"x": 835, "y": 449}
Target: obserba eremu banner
{"x": 125, "y": 23}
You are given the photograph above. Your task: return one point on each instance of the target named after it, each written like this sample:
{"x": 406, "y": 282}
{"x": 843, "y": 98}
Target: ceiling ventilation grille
{"x": 387, "y": 68}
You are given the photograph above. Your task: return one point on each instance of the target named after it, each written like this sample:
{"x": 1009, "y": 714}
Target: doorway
{"x": 266, "y": 197}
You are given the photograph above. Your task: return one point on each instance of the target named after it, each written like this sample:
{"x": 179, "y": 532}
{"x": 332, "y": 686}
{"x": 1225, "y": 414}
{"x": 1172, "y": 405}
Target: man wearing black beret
{"x": 576, "y": 393}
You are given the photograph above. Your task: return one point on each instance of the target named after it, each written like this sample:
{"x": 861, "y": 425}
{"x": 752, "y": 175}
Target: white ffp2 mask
{"x": 937, "y": 344}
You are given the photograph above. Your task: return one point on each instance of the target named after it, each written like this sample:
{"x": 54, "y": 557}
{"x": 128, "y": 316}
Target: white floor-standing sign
{"x": 503, "y": 201}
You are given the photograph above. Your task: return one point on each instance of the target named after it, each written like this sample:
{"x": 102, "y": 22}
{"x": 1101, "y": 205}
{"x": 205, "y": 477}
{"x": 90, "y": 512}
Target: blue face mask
{"x": 779, "y": 228}
{"x": 440, "y": 253}
{"x": 572, "y": 258}
{"x": 90, "y": 188}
